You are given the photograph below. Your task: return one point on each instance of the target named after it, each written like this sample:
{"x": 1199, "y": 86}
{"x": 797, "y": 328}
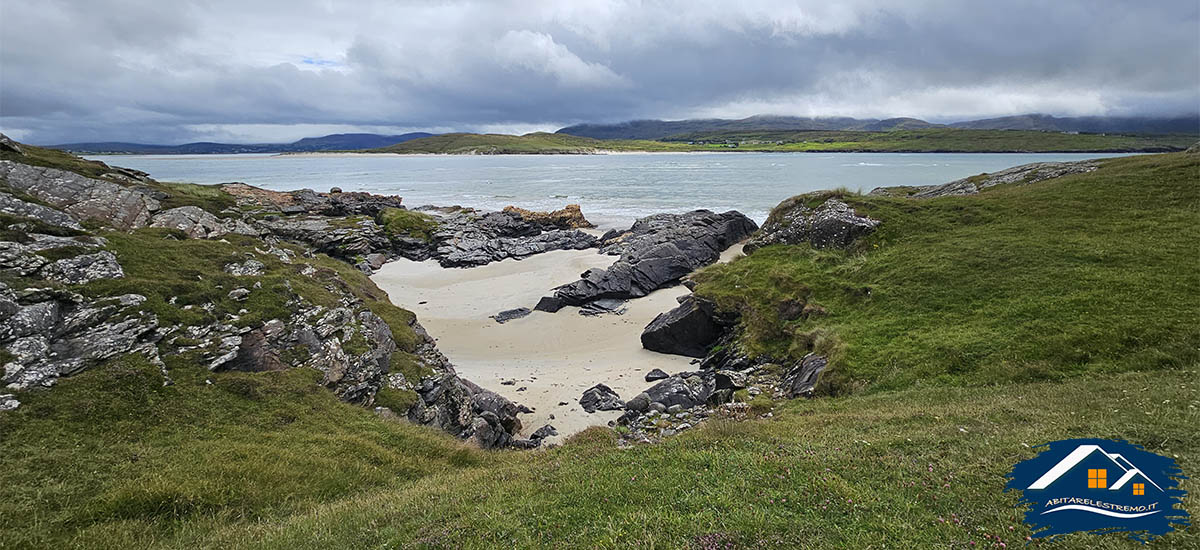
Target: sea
{"x": 612, "y": 189}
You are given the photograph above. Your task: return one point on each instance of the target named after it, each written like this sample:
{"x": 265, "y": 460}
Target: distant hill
{"x": 659, "y": 129}
{"x": 497, "y": 144}
{"x": 1090, "y": 124}
{"x": 332, "y": 142}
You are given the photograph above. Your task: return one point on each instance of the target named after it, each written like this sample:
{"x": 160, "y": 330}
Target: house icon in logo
{"x": 1096, "y": 464}
{"x": 1099, "y": 486}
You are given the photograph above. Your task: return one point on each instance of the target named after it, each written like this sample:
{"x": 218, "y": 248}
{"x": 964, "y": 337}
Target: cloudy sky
{"x": 158, "y": 71}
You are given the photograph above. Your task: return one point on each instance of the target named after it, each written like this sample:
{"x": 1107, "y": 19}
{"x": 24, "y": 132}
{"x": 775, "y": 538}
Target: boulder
{"x": 690, "y": 329}
{"x": 832, "y": 224}
{"x": 248, "y": 268}
{"x": 676, "y": 390}
{"x": 656, "y": 374}
{"x": 82, "y": 197}
{"x": 601, "y": 398}
{"x": 549, "y": 304}
{"x": 7, "y": 144}
{"x": 544, "y": 432}
{"x": 801, "y": 379}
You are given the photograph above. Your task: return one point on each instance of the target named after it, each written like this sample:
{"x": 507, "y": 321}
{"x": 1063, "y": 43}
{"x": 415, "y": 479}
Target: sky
{"x": 153, "y": 71}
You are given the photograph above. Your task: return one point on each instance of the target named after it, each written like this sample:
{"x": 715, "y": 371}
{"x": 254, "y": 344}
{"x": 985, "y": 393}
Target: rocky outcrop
{"x": 510, "y": 314}
{"x": 831, "y": 224}
{"x": 82, "y": 197}
{"x": 307, "y": 201}
{"x": 16, "y": 207}
{"x": 1024, "y": 174}
{"x": 84, "y": 268}
{"x": 7, "y": 144}
{"x": 801, "y": 379}
{"x": 690, "y": 329}
{"x": 24, "y": 259}
{"x": 349, "y": 239}
{"x": 199, "y": 224}
{"x": 654, "y": 253}
{"x": 569, "y": 217}
{"x": 51, "y": 334}
{"x": 469, "y": 238}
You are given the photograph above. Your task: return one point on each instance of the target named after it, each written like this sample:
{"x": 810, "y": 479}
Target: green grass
{"x": 1087, "y": 273}
{"x": 925, "y": 140}
{"x": 407, "y": 223}
{"x": 112, "y": 459}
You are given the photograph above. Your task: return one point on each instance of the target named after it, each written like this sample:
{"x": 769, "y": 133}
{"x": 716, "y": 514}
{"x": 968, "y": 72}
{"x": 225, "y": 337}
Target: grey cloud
{"x": 172, "y": 72}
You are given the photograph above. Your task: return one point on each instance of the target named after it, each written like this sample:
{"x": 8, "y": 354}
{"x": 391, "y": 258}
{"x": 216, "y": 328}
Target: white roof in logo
{"x": 1083, "y": 451}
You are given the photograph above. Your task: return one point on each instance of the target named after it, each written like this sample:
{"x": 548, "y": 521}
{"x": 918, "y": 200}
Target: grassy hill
{"x": 964, "y": 331}
{"x": 918, "y": 140}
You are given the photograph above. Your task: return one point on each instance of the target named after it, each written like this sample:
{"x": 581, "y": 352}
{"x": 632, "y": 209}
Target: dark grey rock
{"x": 656, "y": 252}
{"x": 686, "y": 392}
{"x": 656, "y": 374}
{"x": 601, "y": 398}
{"x": 690, "y": 329}
{"x": 730, "y": 380}
{"x": 7, "y": 144}
{"x": 544, "y": 432}
{"x": 640, "y": 403}
{"x": 549, "y": 304}
{"x": 801, "y": 379}
{"x": 606, "y": 306}
{"x": 832, "y": 224}
{"x": 510, "y": 314}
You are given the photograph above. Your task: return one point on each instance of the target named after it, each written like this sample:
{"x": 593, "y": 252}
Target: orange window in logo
{"x": 1097, "y": 479}
{"x": 1139, "y": 488}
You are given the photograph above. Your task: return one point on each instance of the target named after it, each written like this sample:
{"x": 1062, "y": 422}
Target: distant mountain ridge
{"x": 659, "y": 129}
{"x": 332, "y": 142}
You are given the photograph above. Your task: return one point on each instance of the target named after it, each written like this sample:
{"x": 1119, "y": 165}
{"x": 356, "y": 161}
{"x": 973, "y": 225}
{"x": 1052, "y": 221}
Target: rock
{"x": 657, "y": 407}
{"x": 640, "y": 403}
{"x": 307, "y": 201}
{"x": 602, "y": 307}
{"x": 1024, "y": 174}
{"x": 7, "y": 144}
{"x": 832, "y": 224}
{"x": 676, "y": 390}
{"x": 84, "y": 268}
{"x": 510, "y": 314}
{"x": 569, "y": 217}
{"x": 199, "y": 224}
{"x": 544, "y": 432}
{"x": 239, "y": 294}
{"x": 333, "y": 190}
{"x": 8, "y": 401}
{"x": 549, "y": 304}
{"x": 656, "y": 374}
{"x": 16, "y": 207}
{"x": 347, "y": 241}
{"x": 690, "y": 329}
{"x": 82, "y": 197}
{"x": 601, "y": 398}
{"x": 656, "y": 252}
{"x": 248, "y": 268}
{"x": 801, "y": 379}
{"x": 376, "y": 260}
{"x": 730, "y": 380}
{"x": 673, "y": 409}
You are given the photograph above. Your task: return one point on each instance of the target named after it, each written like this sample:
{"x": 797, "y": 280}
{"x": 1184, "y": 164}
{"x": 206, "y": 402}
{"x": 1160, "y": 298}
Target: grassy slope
{"x": 112, "y": 459}
{"x": 1086, "y": 273}
{"x": 939, "y": 139}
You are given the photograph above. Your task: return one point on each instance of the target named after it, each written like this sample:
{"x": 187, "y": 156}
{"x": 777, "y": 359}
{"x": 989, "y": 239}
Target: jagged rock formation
{"x": 307, "y": 201}
{"x": 569, "y": 217}
{"x": 654, "y": 253}
{"x": 831, "y": 224}
{"x": 16, "y": 207}
{"x": 199, "y": 224}
{"x": 82, "y": 197}
{"x": 468, "y": 238}
{"x": 1024, "y": 174}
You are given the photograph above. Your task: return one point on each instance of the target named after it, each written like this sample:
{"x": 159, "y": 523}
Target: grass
{"x": 273, "y": 461}
{"x": 1088, "y": 273}
{"x": 398, "y": 222}
{"x": 925, "y": 140}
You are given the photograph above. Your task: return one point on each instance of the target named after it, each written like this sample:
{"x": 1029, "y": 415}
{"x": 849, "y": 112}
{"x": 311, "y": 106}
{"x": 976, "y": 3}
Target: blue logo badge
{"x": 1100, "y": 486}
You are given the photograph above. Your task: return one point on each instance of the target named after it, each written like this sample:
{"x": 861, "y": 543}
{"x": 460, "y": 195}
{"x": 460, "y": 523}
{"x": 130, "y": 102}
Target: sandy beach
{"x": 550, "y": 358}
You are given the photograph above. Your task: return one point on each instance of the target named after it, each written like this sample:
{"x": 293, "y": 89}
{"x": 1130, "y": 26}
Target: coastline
{"x": 543, "y": 359}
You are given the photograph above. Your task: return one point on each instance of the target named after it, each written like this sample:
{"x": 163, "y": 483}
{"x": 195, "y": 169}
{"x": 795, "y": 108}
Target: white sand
{"x": 553, "y": 356}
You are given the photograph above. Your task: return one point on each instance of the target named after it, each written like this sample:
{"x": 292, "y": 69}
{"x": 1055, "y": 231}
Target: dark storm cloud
{"x": 170, "y": 72}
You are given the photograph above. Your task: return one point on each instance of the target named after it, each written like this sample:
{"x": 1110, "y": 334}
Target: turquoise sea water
{"x": 612, "y": 189}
